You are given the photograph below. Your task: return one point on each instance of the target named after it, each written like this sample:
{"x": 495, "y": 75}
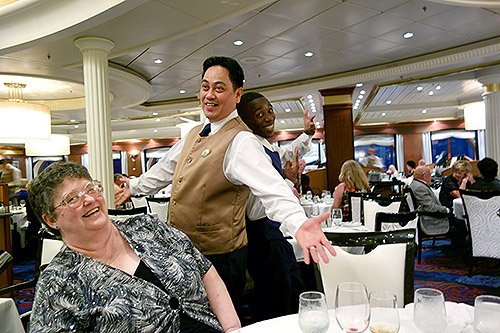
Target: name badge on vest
{"x": 206, "y": 152}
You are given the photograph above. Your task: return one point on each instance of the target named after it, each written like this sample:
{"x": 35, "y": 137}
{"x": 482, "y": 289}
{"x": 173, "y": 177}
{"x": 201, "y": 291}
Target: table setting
{"x": 356, "y": 310}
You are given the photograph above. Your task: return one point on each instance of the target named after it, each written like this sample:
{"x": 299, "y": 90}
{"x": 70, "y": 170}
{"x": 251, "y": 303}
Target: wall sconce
{"x": 133, "y": 155}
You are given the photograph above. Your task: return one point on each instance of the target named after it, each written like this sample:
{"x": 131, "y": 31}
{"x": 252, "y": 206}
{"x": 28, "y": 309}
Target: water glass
{"x": 309, "y": 196}
{"x": 313, "y": 313}
{"x": 429, "y": 313}
{"x": 352, "y": 309}
{"x": 384, "y": 317}
{"x": 336, "y": 216}
{"x": 486, "y": 314}
{"x": 22, "y": 203}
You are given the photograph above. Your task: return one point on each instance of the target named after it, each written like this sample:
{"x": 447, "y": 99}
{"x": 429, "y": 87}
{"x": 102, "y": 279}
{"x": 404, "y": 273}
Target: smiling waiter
{"x": 212, "y": 171}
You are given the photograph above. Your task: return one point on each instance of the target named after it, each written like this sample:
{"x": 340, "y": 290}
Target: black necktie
{"x": 206, "y": 130}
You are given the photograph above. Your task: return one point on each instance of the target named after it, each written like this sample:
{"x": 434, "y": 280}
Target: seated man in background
{"x": 488, "y": 180}
{"x": 271, "y": 261}
{"x": 428, "y": 202}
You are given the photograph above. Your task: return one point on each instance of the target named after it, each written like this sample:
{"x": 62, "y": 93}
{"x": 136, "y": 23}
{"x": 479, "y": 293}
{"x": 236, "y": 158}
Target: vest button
{"x": 198, "y": 140}
{"x": 180, "y": 180}
{"x": 174, "y": 202}
{"x": 189, "y": 159}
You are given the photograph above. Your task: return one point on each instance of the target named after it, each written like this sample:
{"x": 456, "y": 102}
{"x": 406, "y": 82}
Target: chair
{"x": 355, "y": 207}
{"x": 159, "y": 206}
{"x": 123, "y": 212}
{"x": 482, "y": 212}
{"x": 394, "y": 221}
{"x": 421, "y": 235}
{"x": 371, "y": 206}
{"x": 139, "y": 201}
{"x": 389, "y": 266}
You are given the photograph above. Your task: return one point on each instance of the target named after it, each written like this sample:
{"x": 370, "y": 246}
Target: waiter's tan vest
{"x": 204, "y": 204}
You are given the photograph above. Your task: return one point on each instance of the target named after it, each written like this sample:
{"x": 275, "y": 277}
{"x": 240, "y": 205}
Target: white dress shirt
{"x": 245, "y": 163}
{"x": 255, "y": 208}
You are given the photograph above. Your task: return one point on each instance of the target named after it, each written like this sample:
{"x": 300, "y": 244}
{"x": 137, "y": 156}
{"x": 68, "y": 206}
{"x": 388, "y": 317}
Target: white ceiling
{"x": 352, "y": 41}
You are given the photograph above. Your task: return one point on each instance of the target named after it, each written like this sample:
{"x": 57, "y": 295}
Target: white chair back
{"x": 371, "y": 207}
{"x": 483, "y": 216}
{"x": 50, "y": 247}
{"x": 139, "y": 202}
{"x": 381, "y": 269}
{"x": 159, "y": 208}
{"x": 356, "y": 209}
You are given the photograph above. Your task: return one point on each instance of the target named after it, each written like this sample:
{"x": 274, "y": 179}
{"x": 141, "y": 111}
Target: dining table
{"x": 459, "y": 317}
{"x": 9, "y": 317}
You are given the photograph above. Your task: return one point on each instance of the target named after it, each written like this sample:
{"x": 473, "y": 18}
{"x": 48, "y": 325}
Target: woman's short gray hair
{"x": 461, "y": 165}
{"x": 42, "y": 189}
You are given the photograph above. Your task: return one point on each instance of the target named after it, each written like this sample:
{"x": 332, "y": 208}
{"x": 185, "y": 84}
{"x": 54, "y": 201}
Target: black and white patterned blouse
{"x": 78, "y": 293}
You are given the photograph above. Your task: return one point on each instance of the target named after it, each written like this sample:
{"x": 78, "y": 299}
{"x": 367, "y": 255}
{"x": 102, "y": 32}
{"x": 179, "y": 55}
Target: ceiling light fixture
{"x": 388, "y": 102}
{"x": 282, "y": 121}
{"x": 420, "y": 88}
{"x": 384, "y": 114}
{"x": 360, "y": 84}
{"x": 57, "y": 145}
{"x": 155, "y": 113}
{"x": 22, "y": 120}
{"x": 158, "y": 61}
{"x": 238, "y": 42}
{"x": 77, "y": 126}
{"x": 182, "y": 91}
{"x": 431, "y": 93}
{"x": 362, "y": 92}
{"x": 72, "y": 120}
{"x": 424, "y": 111}
{"x": 438, "y": 87}
{"x": 408, "y": 35}
{"x": 156, "y": 131}
{"x": 287, "y": 110}
{"x": 158, "y": 120}
{"x": 309, "y": 96}
{"x": 308, "y": 54}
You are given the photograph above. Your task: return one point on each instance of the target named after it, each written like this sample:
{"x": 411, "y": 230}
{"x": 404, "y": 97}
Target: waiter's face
{"x": 217, "y": 95}
{"x": 261, "y": 117}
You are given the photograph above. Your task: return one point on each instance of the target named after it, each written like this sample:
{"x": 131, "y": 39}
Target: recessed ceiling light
{"x": 359, "y": 84}
{"x": 309, "y": 96}
{"x": 308, "y": 54}
{"x": 424, "y": 111}
{"x": 420, "y": 88}
{"x": 313, "y": 110}
{"x": 182, "y": 91}
{"x": 311, "y": 100}
{"x": 251, "y": 60}
{"x": 73, "y": 120}
{"x": 384, "y": 114}
{"x": 408, "y": 35}
{"x": 361, "y": 97}
{"x": 77, "y": 126}
{"x": 312, "y": 104}
{"x": 362, "y": 92}
{"x": 158, "y": 119}
{"x": 158, "y": 61}
{"x": 282, "y": 121}
{"x": 287, "y": 110}
{"x": 358, "y": 101}
{"x": 355, "y": 107}
{"x": 156, "y": 131}
{"x": 155, "y": 113}
{"x": 438, "y": 87}
{"x": 388, "y": 102}
{"x": 238, "y": 42}
{"x": 431, "y": 93}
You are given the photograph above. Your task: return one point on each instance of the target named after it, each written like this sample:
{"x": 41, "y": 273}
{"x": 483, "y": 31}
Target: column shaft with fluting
{"x": 95, "y": 52}
{"x": 491, "y": 99}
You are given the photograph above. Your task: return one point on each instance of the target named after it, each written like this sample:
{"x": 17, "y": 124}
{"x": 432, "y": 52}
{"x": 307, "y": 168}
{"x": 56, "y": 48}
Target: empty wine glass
{"x": 336, "y": 216}
{"x": 486, "y": 314}
{"x": 429, "y": 313}
{"x": 309, "y": 196}
{"x": 352, "y": 309}
{"x": 313, "y": 313}
{"x": 22, "y": 203}
{"x": 384, "y": 317}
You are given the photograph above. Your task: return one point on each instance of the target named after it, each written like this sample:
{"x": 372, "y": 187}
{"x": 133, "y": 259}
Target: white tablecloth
{"x": 9, "y": 317}
{"x": 459, "y": 316}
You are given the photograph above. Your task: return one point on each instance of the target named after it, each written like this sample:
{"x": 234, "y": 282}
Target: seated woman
{"x": 352, "y": 178}
{"x": 459, "y": 179}
{"x": 138, "y": 275}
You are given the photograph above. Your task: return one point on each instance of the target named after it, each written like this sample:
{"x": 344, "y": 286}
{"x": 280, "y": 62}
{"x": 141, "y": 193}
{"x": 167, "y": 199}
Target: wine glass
{"x": 336, "y": 216}
{"x": 352, "y": 309}
{"x": 429, "y": 313}
{"x": 486, "y": 314}
{"x": 309, "y": 196}
{"x": 313, "y": 313}
{"x": 384, "y": 317}
{"x": 22, "y": 203}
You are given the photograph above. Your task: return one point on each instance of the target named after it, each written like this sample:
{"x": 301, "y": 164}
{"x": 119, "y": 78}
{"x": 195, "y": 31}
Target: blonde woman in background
{"x": 352, "y": 178}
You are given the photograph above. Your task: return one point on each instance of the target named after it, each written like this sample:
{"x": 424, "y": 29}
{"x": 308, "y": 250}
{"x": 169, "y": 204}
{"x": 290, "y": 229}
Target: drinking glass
{"x": 486, "y": 314}
{"x": 429, "y": 313}
{"x": 22, "y": 203}
{"x": 309, "y": 196}
{"x": 384, "y": 317}
{"x": 313, "y": 313}
{"x": 352, "y": 309}
{"x": 336, "y": 216}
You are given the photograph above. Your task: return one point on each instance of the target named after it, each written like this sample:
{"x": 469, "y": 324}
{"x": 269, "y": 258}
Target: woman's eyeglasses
{"x": 74, "y": 198}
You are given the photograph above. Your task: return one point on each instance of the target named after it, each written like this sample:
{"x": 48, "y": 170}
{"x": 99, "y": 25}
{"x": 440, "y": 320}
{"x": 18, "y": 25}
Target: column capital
{"x": 94, "y": 43}
{"x": 490, "y": 79}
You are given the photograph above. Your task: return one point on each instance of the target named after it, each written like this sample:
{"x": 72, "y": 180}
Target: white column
{"x": 95, "y": 52}
{"x": 491, "y": 97}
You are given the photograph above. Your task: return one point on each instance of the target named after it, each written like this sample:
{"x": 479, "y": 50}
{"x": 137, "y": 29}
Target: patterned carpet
{"x": 441, "y": 268}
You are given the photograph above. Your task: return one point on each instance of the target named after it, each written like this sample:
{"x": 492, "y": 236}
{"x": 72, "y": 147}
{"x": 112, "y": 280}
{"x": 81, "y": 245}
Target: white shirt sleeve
{"x": 303, "y": 141}
{"x": 246, "y": 163}
{"x": 160, "y": 175}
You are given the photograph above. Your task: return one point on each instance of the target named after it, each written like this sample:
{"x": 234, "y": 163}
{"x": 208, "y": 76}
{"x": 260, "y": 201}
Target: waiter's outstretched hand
{"x": 124, "y": 192}
{"x": 313, "y": 241}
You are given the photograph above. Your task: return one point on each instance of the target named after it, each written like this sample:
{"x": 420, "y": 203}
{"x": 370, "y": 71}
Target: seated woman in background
{"x": 459, "y": 179}
{"x": 352, "y": 178}
{"x": 392, "y": 172}
{"x": 137, "y": 275}
{"x": 488, "y": 180}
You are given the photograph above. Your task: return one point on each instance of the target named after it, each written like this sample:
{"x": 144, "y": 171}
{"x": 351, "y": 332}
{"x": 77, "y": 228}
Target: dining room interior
{"x": 402, "y": 80}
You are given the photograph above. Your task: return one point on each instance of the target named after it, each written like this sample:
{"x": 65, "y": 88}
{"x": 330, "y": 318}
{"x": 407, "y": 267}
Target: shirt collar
{"x": 215, "y": 126}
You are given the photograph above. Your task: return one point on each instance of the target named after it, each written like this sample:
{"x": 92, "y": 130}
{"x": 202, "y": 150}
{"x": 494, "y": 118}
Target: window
{"x": 382, "y": 146}
{"x": 448, "y": 144}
